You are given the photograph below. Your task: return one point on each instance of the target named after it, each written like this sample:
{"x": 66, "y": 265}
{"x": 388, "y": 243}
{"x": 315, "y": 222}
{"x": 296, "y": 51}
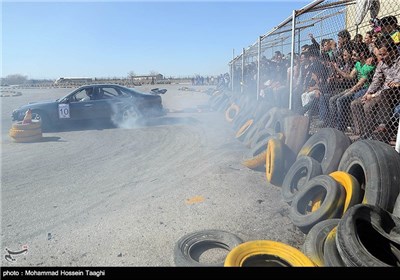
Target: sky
{"x": 48, "y": 40}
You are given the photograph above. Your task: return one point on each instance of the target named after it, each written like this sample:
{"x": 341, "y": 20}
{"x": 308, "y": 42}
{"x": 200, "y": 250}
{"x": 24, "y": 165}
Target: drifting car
{"x": 98, "y": 102}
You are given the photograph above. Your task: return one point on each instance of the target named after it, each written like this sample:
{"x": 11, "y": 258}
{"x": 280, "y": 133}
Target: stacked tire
{"x": 26, "y": 133}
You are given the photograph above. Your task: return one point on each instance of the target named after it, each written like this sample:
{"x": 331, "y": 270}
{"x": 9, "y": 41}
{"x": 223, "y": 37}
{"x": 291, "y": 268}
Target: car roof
{"x": 103, "y": 85}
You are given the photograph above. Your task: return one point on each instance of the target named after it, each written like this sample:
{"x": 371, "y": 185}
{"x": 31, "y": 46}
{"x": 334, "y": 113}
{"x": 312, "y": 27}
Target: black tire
{"x": 129, "y": 114}
{"x": 217, "y": 101}
{"x": 44, "y": 119}
{"x": 259, "y": 135}
{"x": 332, "y": 257}
{"x": 364, "y": 237}
{"x": 252, "y": 131}
{"x": 313, "y": 246}
{"x": 189, "y": 247}
{"x": 274, "y": 119}
{"x": 303, "y": 170}
{"x": 332, "y": 202}
{"x": 396, "y": 208}
{"x": 242, "y": 117}
{"x": 241, "y": 133}
{"x": 327, "y": 147}
{"x": 264, "y": 119}
{"x": 212, "y": 98}
{"x": 261, "y": 109}
{"x": 376, "y": 167}
{"x": 276, "y": 122}
{"x": 225, "y": 103}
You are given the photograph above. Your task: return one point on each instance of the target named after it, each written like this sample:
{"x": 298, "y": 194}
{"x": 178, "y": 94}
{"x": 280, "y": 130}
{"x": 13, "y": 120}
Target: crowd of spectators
{"x": 352, "y": 84}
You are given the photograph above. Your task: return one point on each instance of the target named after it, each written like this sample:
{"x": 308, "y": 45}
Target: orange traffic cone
{"x": 28, "y": 117}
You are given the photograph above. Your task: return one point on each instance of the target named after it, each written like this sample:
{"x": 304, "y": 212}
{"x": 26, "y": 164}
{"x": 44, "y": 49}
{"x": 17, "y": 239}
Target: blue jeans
{"x": 343, "y": 107}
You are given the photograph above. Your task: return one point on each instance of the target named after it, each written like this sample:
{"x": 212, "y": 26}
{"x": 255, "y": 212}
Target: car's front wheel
{"x": 43, "y": 118}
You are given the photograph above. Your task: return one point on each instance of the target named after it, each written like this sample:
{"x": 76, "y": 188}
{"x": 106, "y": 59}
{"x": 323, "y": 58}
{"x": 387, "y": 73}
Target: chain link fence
{"x": 344, "y": 71}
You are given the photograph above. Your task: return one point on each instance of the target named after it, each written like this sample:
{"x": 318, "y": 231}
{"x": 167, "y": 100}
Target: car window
{"x": 125, "y": 92}
{"x": 109, "y": 92}
{"x": 80, "y": 96}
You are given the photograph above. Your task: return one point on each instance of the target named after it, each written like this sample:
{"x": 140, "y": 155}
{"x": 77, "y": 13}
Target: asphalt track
{"x": 106, "y": 196}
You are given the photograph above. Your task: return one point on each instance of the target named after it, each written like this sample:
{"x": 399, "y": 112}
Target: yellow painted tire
{"x": 28, "y": 139}
{"x": 242, "y": 131}
{"x": 352, "y": 187}
{"x": 256, "y": 161}
{"x": 266, "y": 253}
{"x": 16, "y": 133}
{"x": 320, "y": 188}
{"x": 33, "y": 125}
{"x": 275, "y": 162}
{"x": 232, "y": 110}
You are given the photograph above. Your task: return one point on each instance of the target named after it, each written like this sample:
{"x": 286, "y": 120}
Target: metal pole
{"x": 258, "y": 67}
{"x": 398, "y": 139}
{"x": 242, "y": 83}
{"x": 292, "y": 60}
{"x": 298, "y": 42}
{"x": 233, "y": 70}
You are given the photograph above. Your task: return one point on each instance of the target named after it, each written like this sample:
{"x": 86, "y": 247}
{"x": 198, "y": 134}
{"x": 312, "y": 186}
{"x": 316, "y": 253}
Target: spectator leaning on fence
{"x": 339, "y": 105}
{"x": 383, "y": 95}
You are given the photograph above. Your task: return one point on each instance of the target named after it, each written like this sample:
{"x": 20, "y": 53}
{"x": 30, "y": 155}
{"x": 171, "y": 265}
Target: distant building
{"x": 148, "y": 78}
{"x": 73, "y": 80}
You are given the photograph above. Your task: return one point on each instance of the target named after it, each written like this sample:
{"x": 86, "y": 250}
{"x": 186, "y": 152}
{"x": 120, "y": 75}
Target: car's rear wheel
{"x": 129, "y": 115}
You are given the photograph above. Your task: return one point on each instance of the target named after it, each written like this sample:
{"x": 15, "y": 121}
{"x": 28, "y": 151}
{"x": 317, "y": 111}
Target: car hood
{"x": 42, "y": 101}
{"x": 35, "y": 104}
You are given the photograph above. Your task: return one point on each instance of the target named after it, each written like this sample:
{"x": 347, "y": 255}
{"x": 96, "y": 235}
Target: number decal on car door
{"x": 63, "y": 111}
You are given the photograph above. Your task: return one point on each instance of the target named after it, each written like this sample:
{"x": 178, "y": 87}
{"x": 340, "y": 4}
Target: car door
{"x": 81, "y": 107}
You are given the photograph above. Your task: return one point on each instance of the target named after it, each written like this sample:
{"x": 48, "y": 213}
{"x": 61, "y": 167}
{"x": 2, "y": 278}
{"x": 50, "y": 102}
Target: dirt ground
{"x": 124, "y": 196}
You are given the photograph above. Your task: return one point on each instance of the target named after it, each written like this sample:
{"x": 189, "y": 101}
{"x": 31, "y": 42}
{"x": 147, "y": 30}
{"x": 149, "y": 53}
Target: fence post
{"x": 398, "y": 139}
{"x": 292, "y": 59}
{"x": 242, "y": 83}
{"x": 233, "y": 68}
{"x": 258, "y": 66}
